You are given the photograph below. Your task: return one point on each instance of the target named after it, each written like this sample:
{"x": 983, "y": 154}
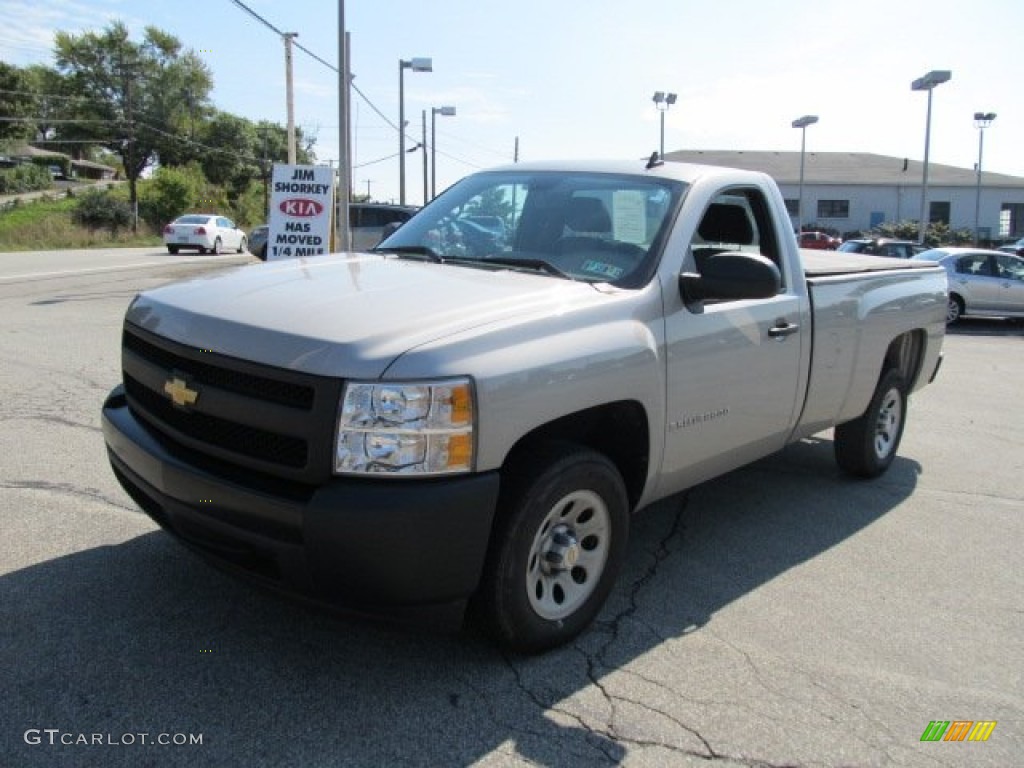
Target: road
{"x": 780, "y": 616}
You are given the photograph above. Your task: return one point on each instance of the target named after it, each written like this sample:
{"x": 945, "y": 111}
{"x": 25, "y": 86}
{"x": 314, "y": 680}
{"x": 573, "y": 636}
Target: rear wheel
{"x": 217, "y": 247}
{"x": 242, "y": 245}
{"x": 866, "y": 446}
{"x": 172, "y": 249}
{"x": 557, "y": 547}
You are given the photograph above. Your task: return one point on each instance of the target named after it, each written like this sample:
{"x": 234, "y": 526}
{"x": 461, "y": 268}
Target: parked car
{"x": 1017, "y": 249}
{"x": 258, "y": 241}
{"x": 881, "y": 246}
{"x": 819, "y": 241}
{"x": 368, "y": 221}
{"x": 981, "y": 282}
{"x": 203, "y": 232}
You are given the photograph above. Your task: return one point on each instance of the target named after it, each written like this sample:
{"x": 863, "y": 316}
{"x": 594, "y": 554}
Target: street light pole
{"x": 423, "y": 141}
{"x": 927, "y": 83}
{"x": 663, "y": 101}
{"x": 416, "y": 65}
{"x": 434, "y": 112}
{"x": 802, "y": 124}
{"x": 982, "y": 120}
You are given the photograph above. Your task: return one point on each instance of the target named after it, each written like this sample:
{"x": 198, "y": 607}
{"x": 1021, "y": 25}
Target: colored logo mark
{"x": 958, "y": 730}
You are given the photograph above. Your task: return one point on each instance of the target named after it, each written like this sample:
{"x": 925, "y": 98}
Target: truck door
{"x": 733, "y": 367}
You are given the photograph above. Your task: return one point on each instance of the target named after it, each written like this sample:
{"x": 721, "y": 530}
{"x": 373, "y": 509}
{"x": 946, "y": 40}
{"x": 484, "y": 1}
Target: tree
{"x": 15, "y": 102}
{"x": 133, "y": 92}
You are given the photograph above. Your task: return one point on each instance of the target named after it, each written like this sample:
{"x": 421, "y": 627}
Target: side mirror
{"x": 731, "y": 275}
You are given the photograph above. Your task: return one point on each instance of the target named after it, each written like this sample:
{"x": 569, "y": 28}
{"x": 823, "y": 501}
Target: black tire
{"x": 172, "y": 249}
{"x": 954, "y": 309}
{"x": 242, "y": 245}
{"x": 558, "y": 544}
{"x": 263, "y": 253}
{"x": 217, "y": 245}
{"x": 866, "y": 446}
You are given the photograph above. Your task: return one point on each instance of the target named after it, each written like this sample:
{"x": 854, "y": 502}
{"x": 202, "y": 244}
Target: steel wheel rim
{"x": 568, "y": 554}
{"x": 887, "y": 425}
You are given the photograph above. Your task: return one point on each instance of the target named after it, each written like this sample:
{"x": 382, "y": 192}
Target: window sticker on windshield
{"x": 629, "y": 217}
{"x": 600, "y": 268}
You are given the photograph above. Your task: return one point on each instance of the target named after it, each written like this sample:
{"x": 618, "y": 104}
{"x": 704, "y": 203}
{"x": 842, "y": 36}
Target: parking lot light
{"x": 927, "y": 83}
{"x": 802, "y": 123}
{"x": 982, "y": 120}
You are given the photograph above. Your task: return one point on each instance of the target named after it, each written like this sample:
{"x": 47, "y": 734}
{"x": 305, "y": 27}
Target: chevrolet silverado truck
{"x": 469, "y": 415}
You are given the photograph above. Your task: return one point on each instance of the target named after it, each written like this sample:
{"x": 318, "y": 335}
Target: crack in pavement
{"x": 47, "y": 419}
{"x": 596, "y": 661}
{"x": 67, "y": 489}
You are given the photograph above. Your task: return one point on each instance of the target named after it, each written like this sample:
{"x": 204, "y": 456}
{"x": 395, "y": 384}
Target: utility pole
{"x": 290, "y": 97}
{"x": 343, "y": 226}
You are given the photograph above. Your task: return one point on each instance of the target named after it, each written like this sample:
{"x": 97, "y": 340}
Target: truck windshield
{"x": 593, "y": 227}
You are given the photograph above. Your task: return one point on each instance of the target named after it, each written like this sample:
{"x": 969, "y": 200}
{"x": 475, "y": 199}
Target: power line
{"x": 334, "y": 69}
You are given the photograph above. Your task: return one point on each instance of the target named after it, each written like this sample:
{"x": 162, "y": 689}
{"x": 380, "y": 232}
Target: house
{"x": 69, "y": 167}
{"x": 855, "y": 191}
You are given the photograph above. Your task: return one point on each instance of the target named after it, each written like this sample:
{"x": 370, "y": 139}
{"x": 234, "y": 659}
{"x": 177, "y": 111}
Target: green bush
{"x": 97, "y": 209}
{"x": 170, "y": 193}
{"x": 24, "y": 178}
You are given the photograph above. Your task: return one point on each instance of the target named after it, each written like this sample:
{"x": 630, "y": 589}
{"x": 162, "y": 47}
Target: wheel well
{"x": 618, "y": 430}
{"x": 905, "y": 354}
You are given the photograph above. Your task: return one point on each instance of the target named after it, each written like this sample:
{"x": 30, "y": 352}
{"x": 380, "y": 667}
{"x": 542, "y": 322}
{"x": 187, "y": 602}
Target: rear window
{"x": 191, "y": 219}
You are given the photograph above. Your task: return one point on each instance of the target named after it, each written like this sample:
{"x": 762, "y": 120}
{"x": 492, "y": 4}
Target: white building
{"x": 854, "y": 191}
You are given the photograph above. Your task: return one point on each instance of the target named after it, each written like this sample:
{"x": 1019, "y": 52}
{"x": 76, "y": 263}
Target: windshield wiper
{"x": 540, "y": 265}
{"x": 405, "y": 251}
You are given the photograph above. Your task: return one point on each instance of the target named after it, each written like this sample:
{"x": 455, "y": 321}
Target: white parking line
{"x": 97, "y": 270}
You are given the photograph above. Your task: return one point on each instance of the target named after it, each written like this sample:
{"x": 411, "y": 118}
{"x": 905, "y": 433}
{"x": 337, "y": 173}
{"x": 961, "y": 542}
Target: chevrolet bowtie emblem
{"x": 180, "y": 394}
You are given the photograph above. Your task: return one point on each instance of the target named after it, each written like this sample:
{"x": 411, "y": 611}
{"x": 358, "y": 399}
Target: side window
{"x": 974, "y": 264}
{"x": 738, "y": 220}
{"x": 1010, "y": 268}
{"x": 373, "y": 217}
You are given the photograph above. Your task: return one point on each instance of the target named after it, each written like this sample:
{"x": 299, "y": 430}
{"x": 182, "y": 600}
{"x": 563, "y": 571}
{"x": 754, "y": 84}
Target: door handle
{"x": 782, "y": 329}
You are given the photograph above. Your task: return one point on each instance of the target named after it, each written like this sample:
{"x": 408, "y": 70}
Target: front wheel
{"x": 954, "y": 309}
{"x": 866, "y": 446}
{"x": 557, "y": 547}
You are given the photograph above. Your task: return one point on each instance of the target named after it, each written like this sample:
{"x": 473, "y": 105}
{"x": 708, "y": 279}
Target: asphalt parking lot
{"x": 782, "y": 615}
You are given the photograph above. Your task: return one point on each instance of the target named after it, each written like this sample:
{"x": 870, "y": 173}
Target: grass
{"x": 45, "y": 224}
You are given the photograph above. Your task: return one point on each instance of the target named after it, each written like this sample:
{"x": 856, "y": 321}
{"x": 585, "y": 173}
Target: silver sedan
{"x": 983, "y": 283}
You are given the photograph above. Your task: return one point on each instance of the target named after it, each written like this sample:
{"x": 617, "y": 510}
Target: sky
{"x": 575, "y": 78}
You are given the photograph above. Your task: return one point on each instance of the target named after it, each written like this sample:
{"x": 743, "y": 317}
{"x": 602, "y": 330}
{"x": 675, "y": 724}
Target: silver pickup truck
{"x": 470, "y": 414}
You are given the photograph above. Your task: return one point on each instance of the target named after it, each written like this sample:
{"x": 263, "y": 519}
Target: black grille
{"x": 259, "y": 387}
{"x": 251, "y": 421}
{"x": 211, "y": 430}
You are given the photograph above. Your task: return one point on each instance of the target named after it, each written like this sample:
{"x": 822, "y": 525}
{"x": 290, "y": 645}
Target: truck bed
{"x": 834, "y": 263}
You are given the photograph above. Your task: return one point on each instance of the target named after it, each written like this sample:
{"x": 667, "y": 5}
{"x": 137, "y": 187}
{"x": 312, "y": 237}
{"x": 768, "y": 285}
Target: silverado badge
{"x": 178, "y": 390}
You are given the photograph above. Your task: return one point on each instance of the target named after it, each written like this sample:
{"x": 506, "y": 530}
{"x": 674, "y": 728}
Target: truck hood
{"x": 345, "y": 315}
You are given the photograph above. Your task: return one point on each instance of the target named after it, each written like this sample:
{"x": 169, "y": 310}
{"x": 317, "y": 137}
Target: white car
{"x": 203, "y": 232}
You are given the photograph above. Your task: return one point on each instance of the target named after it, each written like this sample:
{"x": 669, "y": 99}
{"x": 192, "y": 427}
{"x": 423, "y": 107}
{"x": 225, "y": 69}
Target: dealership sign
{"x": 300, "y": 211}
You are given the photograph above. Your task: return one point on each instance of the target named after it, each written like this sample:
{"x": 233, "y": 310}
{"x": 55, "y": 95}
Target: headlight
{"x": 408, "y": 428}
